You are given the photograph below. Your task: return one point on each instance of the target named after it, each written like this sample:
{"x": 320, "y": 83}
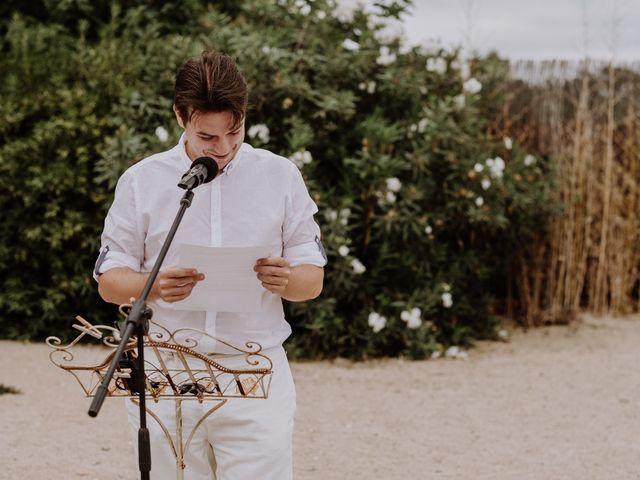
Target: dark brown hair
{"x": 211, "y": 82}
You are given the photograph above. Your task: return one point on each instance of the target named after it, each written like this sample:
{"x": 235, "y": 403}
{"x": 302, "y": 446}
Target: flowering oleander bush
{"x": 420, "y": 207}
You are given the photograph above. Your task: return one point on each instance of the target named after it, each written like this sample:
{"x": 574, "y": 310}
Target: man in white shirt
{"x": 258, "y": 198}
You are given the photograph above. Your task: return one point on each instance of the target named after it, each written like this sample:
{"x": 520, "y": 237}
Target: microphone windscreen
{"x": 211, "y": 166}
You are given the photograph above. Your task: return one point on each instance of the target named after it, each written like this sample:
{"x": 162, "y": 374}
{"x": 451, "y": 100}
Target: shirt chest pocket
{"x": 256, "y": 220}
{"x": 185, "y": 234}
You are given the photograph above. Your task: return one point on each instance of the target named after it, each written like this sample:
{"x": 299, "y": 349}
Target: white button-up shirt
{"x": 259, "y": 199}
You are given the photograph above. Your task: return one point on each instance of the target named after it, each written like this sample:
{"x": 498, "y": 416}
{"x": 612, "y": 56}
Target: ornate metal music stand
{"x": 200, "y": 376}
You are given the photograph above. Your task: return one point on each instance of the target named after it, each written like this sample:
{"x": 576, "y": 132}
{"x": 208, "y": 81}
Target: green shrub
{"x": 388, "y": 140}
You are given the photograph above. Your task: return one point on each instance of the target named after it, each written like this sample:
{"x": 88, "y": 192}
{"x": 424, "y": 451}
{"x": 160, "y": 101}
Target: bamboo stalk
{"x": 591, "y": 258}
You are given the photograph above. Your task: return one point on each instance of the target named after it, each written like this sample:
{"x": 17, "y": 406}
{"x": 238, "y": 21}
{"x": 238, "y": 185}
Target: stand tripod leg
{"x": 179, "y": 447}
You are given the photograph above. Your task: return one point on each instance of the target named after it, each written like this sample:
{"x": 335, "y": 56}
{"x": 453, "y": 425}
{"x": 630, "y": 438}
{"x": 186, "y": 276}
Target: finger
{"x": 177, "y": 272}
{"x": 273, "y": 288}
{"x": 179, "y": 281}
{"x": 276, "y": 271}
{"x": 176, "y": 298}
{"x": 275, "y": 261}
{"x": 273, "y": 280}
{"x": 176, "y": 291}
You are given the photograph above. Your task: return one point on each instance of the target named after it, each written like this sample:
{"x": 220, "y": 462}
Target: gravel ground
{"x": 553, "y": 403}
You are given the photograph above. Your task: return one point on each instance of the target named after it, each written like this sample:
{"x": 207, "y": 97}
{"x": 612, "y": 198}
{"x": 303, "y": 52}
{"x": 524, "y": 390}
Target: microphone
{"x": 203, "y": 170}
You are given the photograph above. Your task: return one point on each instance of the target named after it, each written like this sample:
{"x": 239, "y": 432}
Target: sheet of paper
{"x": 230, "y": 284}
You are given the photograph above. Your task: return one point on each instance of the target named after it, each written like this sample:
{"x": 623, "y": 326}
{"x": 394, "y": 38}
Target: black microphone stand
{"x": 137, "y": 322}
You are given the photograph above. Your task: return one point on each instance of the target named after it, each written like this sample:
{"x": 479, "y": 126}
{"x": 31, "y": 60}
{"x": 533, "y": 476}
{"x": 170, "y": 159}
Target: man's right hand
{"x": 175, "y": 284}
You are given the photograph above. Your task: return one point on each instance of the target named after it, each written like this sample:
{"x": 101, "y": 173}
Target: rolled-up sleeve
{"x": 122, "y": 243}
{"x": 301, "y": 234}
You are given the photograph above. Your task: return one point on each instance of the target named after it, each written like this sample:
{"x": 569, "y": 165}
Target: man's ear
{"x": 178, "y": 117}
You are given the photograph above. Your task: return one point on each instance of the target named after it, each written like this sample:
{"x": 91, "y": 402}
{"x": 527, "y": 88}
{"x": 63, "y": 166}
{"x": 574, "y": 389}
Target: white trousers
{"x": 246, "y": 438}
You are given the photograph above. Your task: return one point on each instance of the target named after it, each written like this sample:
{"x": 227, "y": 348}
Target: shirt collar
{"x": 231, "y": 166}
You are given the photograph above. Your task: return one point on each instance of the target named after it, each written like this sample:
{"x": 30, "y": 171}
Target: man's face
{"x": 212, "y": 135}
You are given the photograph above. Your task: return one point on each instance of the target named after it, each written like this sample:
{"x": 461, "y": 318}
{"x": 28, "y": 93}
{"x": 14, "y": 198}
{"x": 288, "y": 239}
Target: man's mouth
{"x": 219, "y": 158}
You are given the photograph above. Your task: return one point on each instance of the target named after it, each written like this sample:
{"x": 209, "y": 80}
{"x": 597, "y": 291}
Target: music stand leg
{"x": 179, "y": 447}
{"x": 180, "y": 466}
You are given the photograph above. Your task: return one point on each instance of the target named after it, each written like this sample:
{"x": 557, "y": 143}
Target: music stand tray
{"x": 200, "y": 376}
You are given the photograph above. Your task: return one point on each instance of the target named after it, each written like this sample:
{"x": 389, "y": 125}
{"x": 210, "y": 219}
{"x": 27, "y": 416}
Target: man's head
{"x": 210, "y": 103}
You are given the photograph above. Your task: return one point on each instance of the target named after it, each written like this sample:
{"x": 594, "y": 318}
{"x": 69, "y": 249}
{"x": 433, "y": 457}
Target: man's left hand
{"x": 274, "y": 273}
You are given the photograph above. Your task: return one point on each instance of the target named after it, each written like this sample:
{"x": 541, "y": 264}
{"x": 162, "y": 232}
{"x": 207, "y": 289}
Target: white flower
{"x": 305, "y": 9}
{"x": 503, "y": 334}
{"x": 456, "y": 352}
{"x": 447, "y": 300}
{"x": 459, "y": 101}
{"x": 496, "y": 166}
{"x": 489, "y": 162}
{"x": 463, "y": 65}
{"x": 344, "y": 216}
{"x": 266, "y": 49}
{"x": 437, "y": 65}
{"x": 331, "y": 215}
{"x": 486, "y": 183}
{"x": 321, "y": 14}
{"x": 343, "y": 250}
{"x": 386, "y": 32}
{"x": 369, "y": 86}
{"x": 391, "y": 197}
{"x": 422, "y": 125}
{"x": 529, "y": 160}
{"x": 445, "y": 286}
{"x": 162, "y": 134}
{"x": 344, "y": 11}
{"x": 394, "y": 184}
{"x": 261, "y": 131}
{"x": 350, "y": 45}
{"x": 478, "y": 167}
{"x": 386, "y": 57}
{"x": 376, "y": 321}
{"x": 428, "y": 230}
{"x": 301, "y": 158}
{"x": 472, "y": 86}
{"x": 357, "y": 266}
{"x": 508, "y": 143}
{"x": 414, "y": 323}
{"x": 479, "y": 201}
{"x": 412, "y": 318}
{"x": 452, "y": 351}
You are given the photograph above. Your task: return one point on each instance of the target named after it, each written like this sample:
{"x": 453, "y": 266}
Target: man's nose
{"x": 220, "y": 146}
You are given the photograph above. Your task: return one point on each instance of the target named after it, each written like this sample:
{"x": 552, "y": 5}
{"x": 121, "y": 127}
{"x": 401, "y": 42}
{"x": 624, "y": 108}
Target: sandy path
{"x": 555, "y": 403}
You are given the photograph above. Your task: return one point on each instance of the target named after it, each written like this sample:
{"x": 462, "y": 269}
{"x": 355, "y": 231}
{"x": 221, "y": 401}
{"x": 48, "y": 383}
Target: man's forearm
{"x": 305, "y": 283}
{"x": 118, "y": 285}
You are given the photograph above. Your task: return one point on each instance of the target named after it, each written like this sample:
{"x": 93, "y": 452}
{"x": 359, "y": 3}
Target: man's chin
{"x": 222, "y": 161}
